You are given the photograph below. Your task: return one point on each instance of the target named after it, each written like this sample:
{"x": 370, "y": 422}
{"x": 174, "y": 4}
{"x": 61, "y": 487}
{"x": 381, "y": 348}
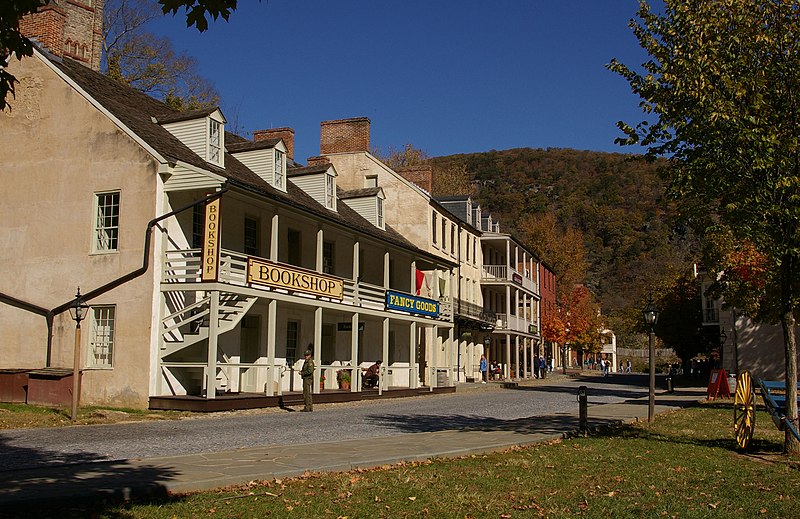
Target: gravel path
{"x": 27, "y": 448}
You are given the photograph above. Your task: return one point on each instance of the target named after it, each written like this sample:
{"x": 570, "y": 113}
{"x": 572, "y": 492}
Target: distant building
{"x": 743, "y": 343}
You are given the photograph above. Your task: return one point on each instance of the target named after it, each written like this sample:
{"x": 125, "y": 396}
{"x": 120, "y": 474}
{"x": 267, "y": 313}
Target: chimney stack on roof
{"x": 344, "y": 135}
{"x": 68, "y": 29}
{"x": 421, "y": 175}
{"x": 287, "y": 134}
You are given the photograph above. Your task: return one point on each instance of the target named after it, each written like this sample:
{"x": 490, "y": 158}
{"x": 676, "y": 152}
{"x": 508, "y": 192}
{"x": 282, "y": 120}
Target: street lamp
{"x": 77, "y": 311}
{"x": 723, "y": 338}
{"x": 650, "y": 313}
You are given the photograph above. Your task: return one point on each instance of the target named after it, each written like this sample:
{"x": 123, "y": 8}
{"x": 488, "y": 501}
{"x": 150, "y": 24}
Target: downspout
{"x": 49, "y": 315}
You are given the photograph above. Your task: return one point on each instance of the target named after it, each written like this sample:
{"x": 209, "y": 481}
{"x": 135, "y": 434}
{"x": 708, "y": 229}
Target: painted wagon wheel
{"x": 744, "y": 410}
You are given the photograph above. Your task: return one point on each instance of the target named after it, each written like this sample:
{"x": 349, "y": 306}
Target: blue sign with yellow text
{"x": 411, "y": 304}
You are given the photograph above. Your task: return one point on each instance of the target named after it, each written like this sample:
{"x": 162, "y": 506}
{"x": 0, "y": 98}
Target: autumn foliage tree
{"x": 722, "y": 94}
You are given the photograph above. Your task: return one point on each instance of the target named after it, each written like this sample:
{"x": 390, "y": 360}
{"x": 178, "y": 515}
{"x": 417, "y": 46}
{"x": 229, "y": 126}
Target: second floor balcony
{"x": 185, "y": 267}
{"x": 506, "y": 274}
{"x": 514, "y": 323}
{"x": 475, "y": 312}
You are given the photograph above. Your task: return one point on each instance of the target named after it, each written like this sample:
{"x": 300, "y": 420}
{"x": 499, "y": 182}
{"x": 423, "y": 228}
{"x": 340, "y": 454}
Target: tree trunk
{"x": 790, "y": 443}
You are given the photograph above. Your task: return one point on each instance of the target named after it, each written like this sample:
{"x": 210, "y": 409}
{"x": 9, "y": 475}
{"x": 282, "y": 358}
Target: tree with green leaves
{"x": 722, "y": 96}
{"x": 14, "y": 44}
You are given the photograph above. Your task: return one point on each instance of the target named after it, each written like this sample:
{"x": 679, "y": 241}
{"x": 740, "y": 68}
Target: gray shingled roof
{"x": 136, "y": 111}
{"x": 358, "y": 193}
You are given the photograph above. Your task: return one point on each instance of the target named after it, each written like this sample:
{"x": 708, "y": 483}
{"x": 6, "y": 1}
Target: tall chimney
{"x": 344, "y": 135}
{"x": 47, "y": 26}
{"x": 287, "y": 134}
{"x": 69, "y": 29}
{"x": 421, "y": 175}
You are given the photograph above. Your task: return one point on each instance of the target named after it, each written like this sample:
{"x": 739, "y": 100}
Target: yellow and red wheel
{"x": 744, "y": 410}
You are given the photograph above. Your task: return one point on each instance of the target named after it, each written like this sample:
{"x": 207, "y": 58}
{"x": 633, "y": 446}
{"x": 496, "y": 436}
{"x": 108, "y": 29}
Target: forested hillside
{"x": 631, "y": 234}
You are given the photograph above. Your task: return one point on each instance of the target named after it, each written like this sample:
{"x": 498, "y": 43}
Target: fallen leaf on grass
{"x": 412, "y": 498}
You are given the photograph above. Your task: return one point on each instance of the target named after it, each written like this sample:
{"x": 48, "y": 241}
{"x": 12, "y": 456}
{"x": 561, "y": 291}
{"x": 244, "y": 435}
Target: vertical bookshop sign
{"x": 210, "y": 254}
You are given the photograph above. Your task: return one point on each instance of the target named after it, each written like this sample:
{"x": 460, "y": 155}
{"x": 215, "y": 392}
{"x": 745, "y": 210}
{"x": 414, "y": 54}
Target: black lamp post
{"x": 723, "y": 338}
{"x": 650, "y": 313}
{"x": 77, "y": 311}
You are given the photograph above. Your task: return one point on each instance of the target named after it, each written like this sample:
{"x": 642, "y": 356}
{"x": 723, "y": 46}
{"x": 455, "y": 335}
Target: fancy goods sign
{"x": 412, "y": 304}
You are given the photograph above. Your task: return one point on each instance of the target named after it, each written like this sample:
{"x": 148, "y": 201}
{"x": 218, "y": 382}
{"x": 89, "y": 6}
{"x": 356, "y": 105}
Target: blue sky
{"x": 447, "y": 76}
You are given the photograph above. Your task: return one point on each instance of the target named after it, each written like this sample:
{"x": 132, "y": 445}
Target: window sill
{"x": 103, "y": 252}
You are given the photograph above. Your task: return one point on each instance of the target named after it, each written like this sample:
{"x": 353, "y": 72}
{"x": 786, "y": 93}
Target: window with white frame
{"x": 452, "y": 239}
{"x": 380, "y": 212}
{"x": 106, "y": 227}
{"x": 468, "y": 240}
{"x": 444, "y": 234}
{"x": 330, "y": 191}
{"x": 250, "y": 236}
{"x": 101, "y": 340}
{"x": 279, "y": 169}
{"x": 214, "y": 141}
{"x": 198, "y": 225}
{"x": 433, "y": 219}
{"x": 327, "y": 257}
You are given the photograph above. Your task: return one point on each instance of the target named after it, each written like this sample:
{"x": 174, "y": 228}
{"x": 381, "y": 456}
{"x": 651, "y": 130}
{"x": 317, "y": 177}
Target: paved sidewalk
{"x": 161, "y": 476}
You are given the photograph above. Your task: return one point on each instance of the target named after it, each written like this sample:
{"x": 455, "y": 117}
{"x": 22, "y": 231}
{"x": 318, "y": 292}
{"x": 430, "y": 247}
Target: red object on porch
{"x": 420, "y": 280}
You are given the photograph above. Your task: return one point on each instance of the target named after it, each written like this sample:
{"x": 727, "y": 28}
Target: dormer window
{"x": 214, "y": 141}
{"x": 330, "y": 191}
{"x": 280, "y": 170}
{"x": 380, "y": 212}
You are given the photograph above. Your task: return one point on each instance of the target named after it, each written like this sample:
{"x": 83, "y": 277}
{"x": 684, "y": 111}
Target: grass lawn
{"x": 682, "y": 465}
{"x": 17, "y": 416}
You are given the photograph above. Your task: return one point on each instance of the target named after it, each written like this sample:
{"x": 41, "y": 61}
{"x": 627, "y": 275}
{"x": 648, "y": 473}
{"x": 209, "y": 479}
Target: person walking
{"x": 542, "y": 367}
{"x": 484, "y": 368}
{"x": 307, "y": 374}
{"x": 536, "y": 366}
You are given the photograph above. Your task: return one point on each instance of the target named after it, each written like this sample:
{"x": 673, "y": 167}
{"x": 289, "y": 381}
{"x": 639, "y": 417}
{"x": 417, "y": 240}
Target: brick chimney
{"x": 344, "y": 135}
{"x": 47, "y": 26}
{"x": 68, "y": 29}
{"x": 421, "y": 175}
{"x": 316, "y": 161}
{"x": 287, "y": 134}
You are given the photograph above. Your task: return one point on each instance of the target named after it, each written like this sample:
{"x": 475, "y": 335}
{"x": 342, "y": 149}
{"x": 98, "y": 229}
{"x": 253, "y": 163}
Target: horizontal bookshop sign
{"x": 262, "y": 272}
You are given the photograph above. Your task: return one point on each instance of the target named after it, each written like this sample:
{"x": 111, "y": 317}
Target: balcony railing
{"x": 473, "y": 311}
{"x": 505, "y": 273}
{"x": 184, "y": 266}
{"x": 514, "y": 323}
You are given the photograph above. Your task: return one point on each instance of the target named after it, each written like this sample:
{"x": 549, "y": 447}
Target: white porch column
{"x": 273, "y": 240}
{"x": 356, "y": 272}
{"x": 413, "y": 376}
{"x": 450, "y": 352}
{"x": 317, "y": 347}
{"x": 272, "y": 330}
{"x": 213, "y": 328}
{"x": 320, "y": 241}
{"x": 516, "y": 357}
{"x": 385, "y": 356}
{"x": 524, "y": 357}
{"x": 434, "y": 360}
{"x": 355, "y": 374}
{"x": 386, "y": 270}
{"x": 507, "y": 370}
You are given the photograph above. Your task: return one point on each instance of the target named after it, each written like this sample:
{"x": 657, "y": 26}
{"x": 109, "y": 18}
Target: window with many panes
{"x": 250, "y": 236}
{"x": 214, "y": 141}
{"x": 293, "y": 246}
{"x": 327, "y": 257}
{"x": 292, "y": 338}
{"x": 106, "y": 227}
{"x": 433, "y": 219}
{"x": 101, "y": 340}
{"x": 198, "y": 225}
{"x": 279, "y": 169}
{"x": 380, "y": 212}
{"x": 330, "y": 191}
